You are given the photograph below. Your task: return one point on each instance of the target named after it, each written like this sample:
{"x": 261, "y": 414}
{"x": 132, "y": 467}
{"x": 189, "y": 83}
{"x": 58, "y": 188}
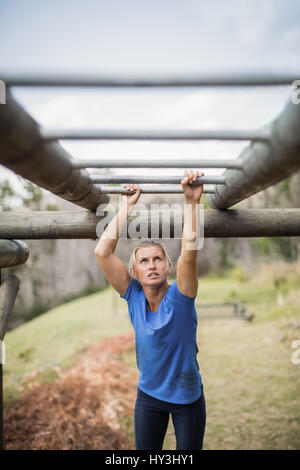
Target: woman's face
{"x": 151, "y": 266}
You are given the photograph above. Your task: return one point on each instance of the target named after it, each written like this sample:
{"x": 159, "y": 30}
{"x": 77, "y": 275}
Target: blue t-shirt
{"x": 166, "y": 345}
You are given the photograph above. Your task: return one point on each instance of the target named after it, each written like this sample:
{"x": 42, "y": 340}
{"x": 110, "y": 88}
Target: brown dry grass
{"x": 80, "y": 410}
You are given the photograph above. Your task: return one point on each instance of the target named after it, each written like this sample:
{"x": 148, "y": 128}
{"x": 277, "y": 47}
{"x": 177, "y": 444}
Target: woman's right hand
{"x": 131, "y": 199}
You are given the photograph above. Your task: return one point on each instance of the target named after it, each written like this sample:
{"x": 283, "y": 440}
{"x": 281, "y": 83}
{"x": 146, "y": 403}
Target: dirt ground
{"x": 82, "y": 409}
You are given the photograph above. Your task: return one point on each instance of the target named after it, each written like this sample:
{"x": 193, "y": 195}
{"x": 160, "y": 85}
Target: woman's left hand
{"x": 192, "y": 192}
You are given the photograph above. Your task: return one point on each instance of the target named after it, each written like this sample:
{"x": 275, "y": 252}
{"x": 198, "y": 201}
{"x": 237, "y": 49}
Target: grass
{"x": 58, "y": 336}
{"x": 251, "y": 385}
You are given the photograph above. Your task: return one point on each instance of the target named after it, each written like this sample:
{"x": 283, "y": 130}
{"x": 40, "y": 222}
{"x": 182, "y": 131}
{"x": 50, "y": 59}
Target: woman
{"x": 165, "y": 322}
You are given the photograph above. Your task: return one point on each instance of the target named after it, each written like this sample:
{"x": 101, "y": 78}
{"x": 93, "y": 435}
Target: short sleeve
{"x": 132, "y": 286}
{"x": 175, "y": 294}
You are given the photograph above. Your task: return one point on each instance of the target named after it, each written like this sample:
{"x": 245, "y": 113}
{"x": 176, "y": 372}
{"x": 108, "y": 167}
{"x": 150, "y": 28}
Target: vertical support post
{"x": 1, "y": 395}
{"x": 8, "y": 291}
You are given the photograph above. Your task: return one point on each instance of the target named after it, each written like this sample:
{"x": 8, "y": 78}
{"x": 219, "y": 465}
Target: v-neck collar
{"x": 159, "y": 302}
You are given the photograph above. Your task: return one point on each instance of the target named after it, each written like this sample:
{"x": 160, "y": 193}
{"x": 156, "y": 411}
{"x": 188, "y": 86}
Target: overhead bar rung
{"x": 150, "y": 162}
{"x": 116, "y": 179}
{"x": 149, "y": 189}
{"x": 63, "y": 80}
{"x": 108, "y": 134}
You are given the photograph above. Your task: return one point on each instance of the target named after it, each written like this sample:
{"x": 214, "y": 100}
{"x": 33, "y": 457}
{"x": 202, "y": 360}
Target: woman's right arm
{"x": 114, "y": 269}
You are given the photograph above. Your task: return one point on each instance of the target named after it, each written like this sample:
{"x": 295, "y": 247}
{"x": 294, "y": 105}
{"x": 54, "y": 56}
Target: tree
{"x": 6, "y": 193}
{"x": 34, "y": 196}
{"x": 31, "y": 197}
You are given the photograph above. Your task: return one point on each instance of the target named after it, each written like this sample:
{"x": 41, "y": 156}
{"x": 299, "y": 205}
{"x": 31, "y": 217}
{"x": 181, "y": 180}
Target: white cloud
{"x": 292, "y": 37}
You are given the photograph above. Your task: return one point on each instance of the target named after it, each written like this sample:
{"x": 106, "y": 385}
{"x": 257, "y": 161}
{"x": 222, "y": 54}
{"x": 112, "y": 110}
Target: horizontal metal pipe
{"x": 116, "y": 179}
{"x": 83, "y": 224}
{"x": 149, "y": 189}
{"x": 150, "y": 162}
{"x": 49, "y": 135}
{"x": 238, "y": 79}
{"x": 46, "y": 164}
{"x": 13, "y": 252}
{"x": 263, "y": 164}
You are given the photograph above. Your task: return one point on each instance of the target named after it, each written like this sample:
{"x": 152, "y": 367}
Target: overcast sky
{"x": 155, "y": 37}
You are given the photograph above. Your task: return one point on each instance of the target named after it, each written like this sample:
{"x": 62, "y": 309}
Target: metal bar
{"x": 149, "y": 189}
{"x": 116, "y": 179}
{"x": 45, "y": 164}
{"x": 13, "y": 252}
{"x": 49, "y": 135}
{"x": 263, "y": 165}
{"x": 84, "y": 224}
{"x": 62, "y": 80}
{"x": 150, "y": 162}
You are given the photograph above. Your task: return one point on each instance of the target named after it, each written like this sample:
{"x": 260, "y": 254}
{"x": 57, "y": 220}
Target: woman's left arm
{"x": 187, "y": 273}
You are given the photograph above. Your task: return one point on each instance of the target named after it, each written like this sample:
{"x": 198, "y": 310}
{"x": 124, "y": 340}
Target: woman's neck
{"x": 154, "y": 295}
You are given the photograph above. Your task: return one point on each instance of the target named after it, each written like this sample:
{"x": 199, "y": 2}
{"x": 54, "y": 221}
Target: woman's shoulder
{"x": 134, "y": 286}
{"x": 175, "y": 294}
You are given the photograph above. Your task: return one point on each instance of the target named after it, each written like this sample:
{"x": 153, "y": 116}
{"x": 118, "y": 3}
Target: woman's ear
{"x": 135, "y": 274}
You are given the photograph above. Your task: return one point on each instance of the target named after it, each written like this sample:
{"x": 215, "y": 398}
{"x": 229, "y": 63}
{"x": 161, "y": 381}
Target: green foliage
{"x": 33, "y": 197}
{"x": 275, "y": 247}
{"x": 51, "y": 207}
{"x": 233, "y": 295}
{"x": 204, "y": 202}
{"x": 263, "y": 246}
{"x": 226, "y": 254}
{"x": 239, "y": 274}
{"x": 281, "y": 189}
{"x": 6, "y": 193}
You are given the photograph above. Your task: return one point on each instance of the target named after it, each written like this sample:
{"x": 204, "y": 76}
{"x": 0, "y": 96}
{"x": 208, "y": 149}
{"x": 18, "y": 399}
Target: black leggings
{"x": 151, "y": 417}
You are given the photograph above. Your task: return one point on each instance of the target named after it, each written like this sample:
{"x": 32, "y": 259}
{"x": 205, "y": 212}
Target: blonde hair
{"x": 143, "y": 244}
